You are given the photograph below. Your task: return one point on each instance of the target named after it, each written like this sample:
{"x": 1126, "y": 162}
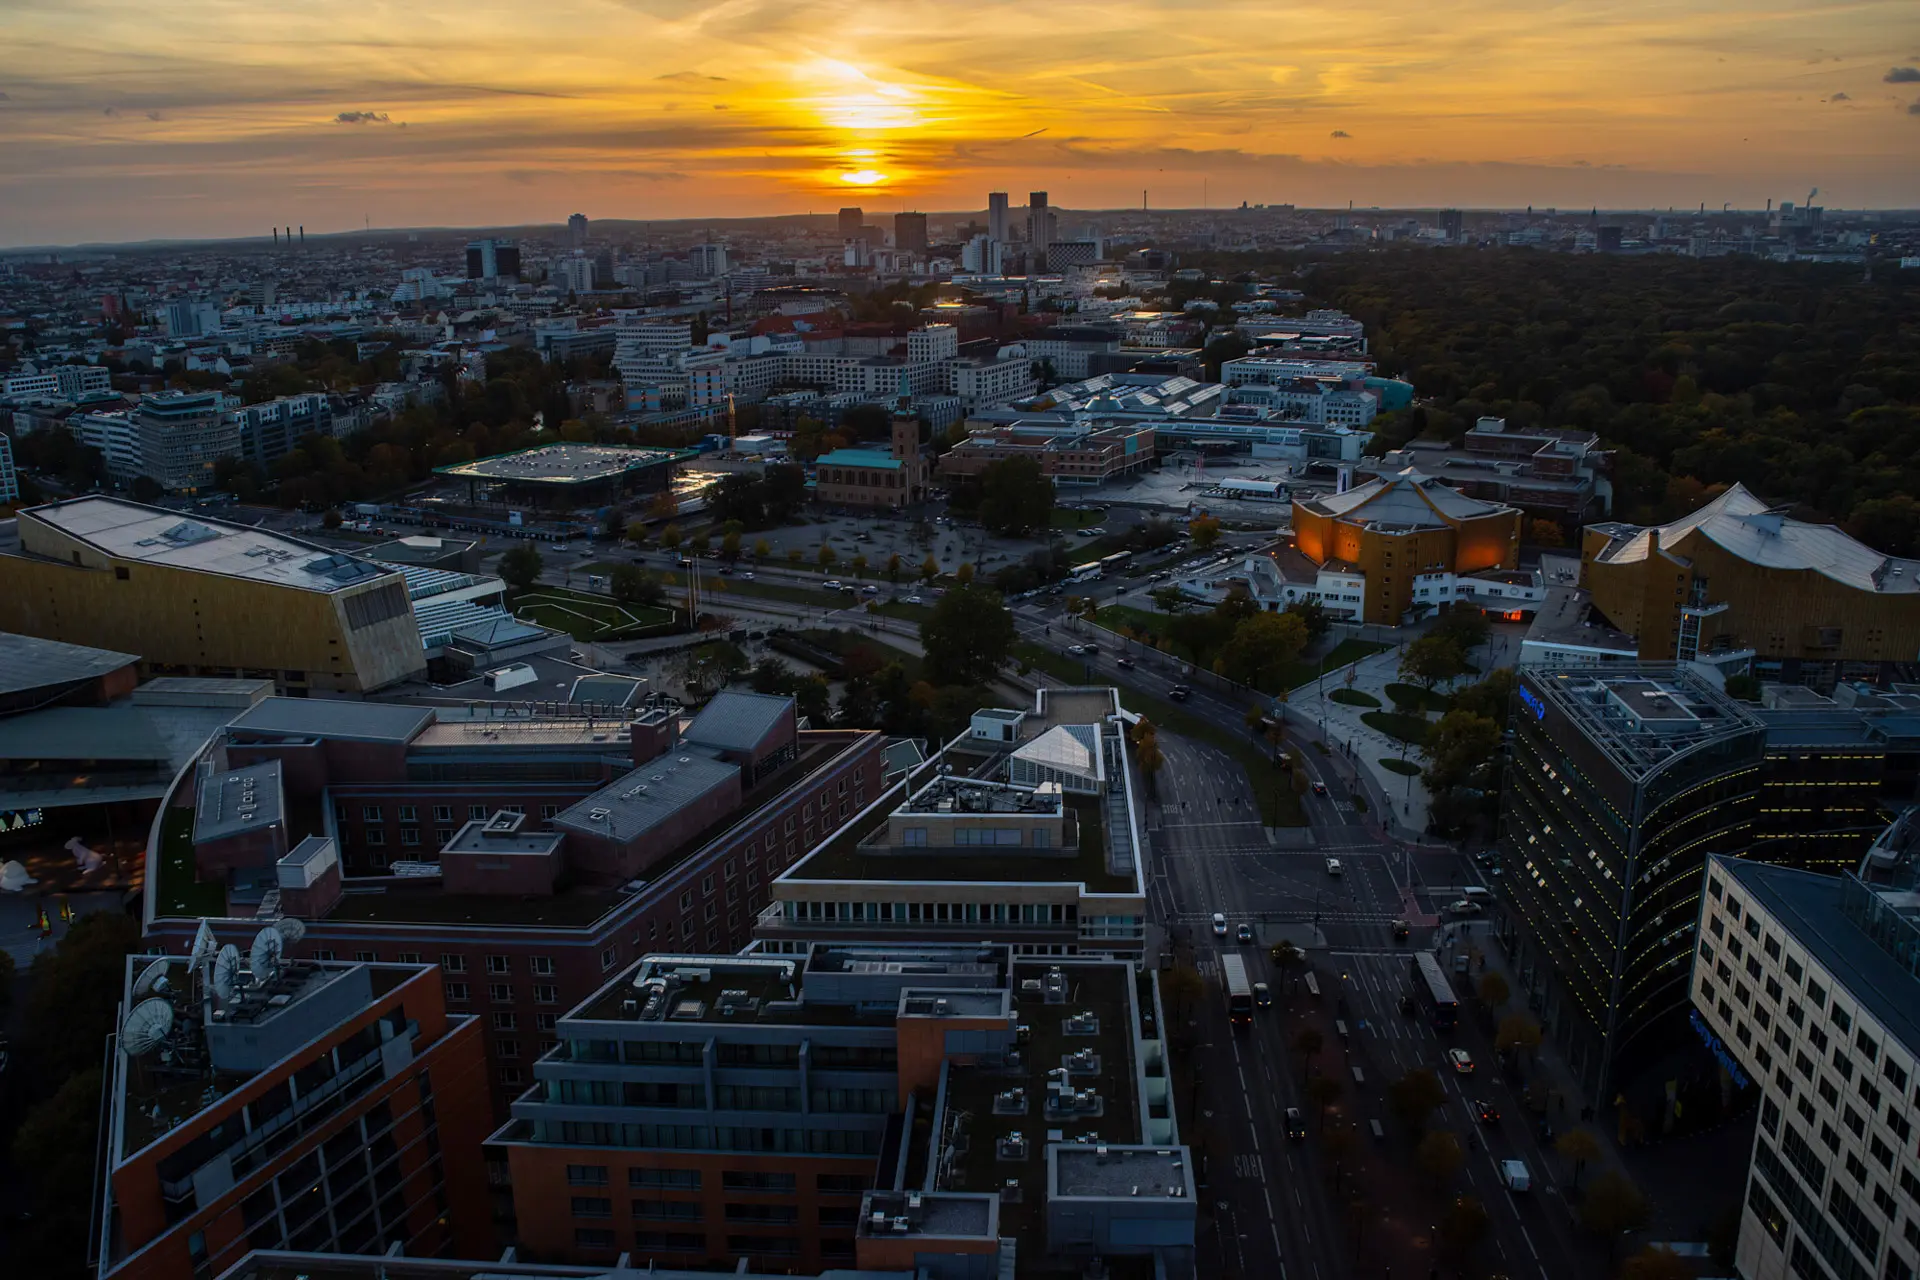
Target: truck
{"x": 1233, "y": 976}
{"x": 1514, "y": 1175}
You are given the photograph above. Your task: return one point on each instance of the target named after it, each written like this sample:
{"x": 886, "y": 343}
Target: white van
{"x": 1474, "y": 893}
{"x": 1514, "y": 1175}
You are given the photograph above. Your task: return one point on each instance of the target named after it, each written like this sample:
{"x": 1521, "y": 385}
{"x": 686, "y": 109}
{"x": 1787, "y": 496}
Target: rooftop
{"x": 238, "y": 801}
{"x": 330, "y": 718}
{"x": 1406, "y": 499}
{"x": 859, "y": 458}
{"x": 1744, "y": 526}
{"x": 1836, "y": 918}
{"x": 629, "y": 807}
{"x": 1566, "y": 620}
{"x": 737, "y": 721}
{"x": 912, "y": 1214}
{"x": 28, "y": 662}
{"x": 565, "y": 464}
{"x": 1116, "y": 1171}
{"x": 278, "y": 1265}
{"x": 1642, "y": 717}
{"x": 152, "y": 535}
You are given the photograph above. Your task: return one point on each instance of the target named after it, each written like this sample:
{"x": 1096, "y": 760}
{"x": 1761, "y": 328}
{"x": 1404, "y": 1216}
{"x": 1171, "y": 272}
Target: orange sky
{"x": 127, "y": 121}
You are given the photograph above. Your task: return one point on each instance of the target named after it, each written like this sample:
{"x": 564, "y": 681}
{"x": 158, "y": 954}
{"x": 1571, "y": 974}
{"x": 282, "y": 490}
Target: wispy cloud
{"x": 363, "y": 117}
{"x": 1840, "y": 97}
{"x": 1340, "y": 133}
{"x": 1902, "y": 75}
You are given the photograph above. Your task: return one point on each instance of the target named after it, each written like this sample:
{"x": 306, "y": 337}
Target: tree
{"x": 826, "y": 555}
{"x": 74, "y": 989}
{"x": 1580, "y": 1147}
{"x": 929, "y": 569}
{"x": 1491, "y": 697}
{"x": 1307, "y": 1042}
{"x": 1146, "y": 751}
{"x": 1462, "y": 1227}
{"x": 859, "y": 565}
{"x": 1432, "y": 658}
{"x": 1168, "y": 599}
{"x": 1183, "y": 990}
{"x": 1656, "y": 1262}
{"x": 663, "y": 506}
{"x": 1260, "y": 647}
{"x": 331, "y": 519}
{"x": 1439, "y": 1156}
{"x": 761, "y": 549}
{"x": 56, "y": 1142}
{"x": 702, "y": 542}
{"x": 631, "y": 584}
{"x": 1313, "y": 615}
{"x": 795, "y": 555}
{"x": 894, "y": 565}
{"x": 1323, "y": 1092}
{"x": 964, "y": 574}
{"x": 1611, "y": 1206}
{"x": 968, "y": 636}
{"x": 1493, "y": 990}
{"x": 1457, "y": 747}
{"x": 730, "y": 544}
{"x": 1414, "y": 1096}
{"x": 1205, "y": 531}
{"x": 520, "y": 567}
{"x": 1286, "y": 956}
{"x": 1016, "y": 497}
{"x": 670, "y": 537}
{"x": 1546, "y": 533}
{"x": 6, "y": 983}
{"x": 1517, "y": 1031}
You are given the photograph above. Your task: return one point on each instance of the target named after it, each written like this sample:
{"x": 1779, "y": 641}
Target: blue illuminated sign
{"x": 1717, "y": 1049}
{"x": 1531, "y": 701}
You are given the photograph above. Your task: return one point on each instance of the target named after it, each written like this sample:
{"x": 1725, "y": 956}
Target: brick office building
{"x": 644, "y": 833}
{"x": 323, "y": 1106}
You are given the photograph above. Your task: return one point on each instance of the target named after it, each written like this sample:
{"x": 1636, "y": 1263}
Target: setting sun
{"x": 863, "y": 178}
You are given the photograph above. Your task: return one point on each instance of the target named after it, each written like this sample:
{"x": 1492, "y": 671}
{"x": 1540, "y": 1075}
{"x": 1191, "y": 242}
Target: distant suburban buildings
{"x": 1745, "y": 586}
{"x": 201, "y": 597}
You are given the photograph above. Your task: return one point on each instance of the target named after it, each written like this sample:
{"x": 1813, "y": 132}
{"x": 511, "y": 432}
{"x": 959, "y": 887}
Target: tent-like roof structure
{"x": 1740, "y": 523}
{"x": 1406, "y": 499}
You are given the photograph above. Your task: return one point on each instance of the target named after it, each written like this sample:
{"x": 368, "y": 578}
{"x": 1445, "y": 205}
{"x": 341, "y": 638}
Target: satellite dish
{"x": 263, "y": 959}
{"x": 226, "y": 972}
{"x": 146, "y": 1027}
{"x": 151, "y": 979}
{"x": 204, "y": 945}
{"x": 290, "y": 928}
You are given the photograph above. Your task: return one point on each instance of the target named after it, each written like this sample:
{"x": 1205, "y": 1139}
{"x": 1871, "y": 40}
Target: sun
{"x": 863, "y": 177}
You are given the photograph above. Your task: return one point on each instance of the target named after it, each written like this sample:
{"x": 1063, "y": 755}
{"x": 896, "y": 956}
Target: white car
{"x": 1461, "y": 1060}
{"x": 913, "y": 600}
{"x": 1464, "y": 907}
{"x": 1219, "y": 924}
{"x": 747, "y": 576}
{"x": 1333, "y": 867}
{"x": 831, "y": 584}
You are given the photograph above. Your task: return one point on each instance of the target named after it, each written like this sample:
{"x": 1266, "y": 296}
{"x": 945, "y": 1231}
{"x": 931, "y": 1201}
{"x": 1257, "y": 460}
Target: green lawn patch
{"x": 901, "y": 609}
{"x": 587, "y": 617}
{"x": 1415, "y": 698}
{"x": 1354, "y": 698}
{"x": 1075, "y": 519}
{"x": 1405, "y": 768}
{"x": 1398, "y": 726}
{"x": 178, "y": 892}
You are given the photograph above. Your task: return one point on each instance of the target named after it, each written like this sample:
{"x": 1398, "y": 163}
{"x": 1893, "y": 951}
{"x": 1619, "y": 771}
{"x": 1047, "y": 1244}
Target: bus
{"x": 1233, "y": 976}
{"x": 1434, "y": 992}
{"x": 1117, "y": 561}
{"x": 1085, "y": 572}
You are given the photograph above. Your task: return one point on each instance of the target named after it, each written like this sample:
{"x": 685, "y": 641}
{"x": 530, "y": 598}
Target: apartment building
{"x": 203, "y": 597}
{"x": 269, "y": 431}
{"x": 65, "y": 381}
{"x": 1078, "y": 454}
{"x": 270, "y": 1103}
{"x": 531, "y": 851}
{"x": 855, "y": 1105}
{"x": 1805, "y": 985}
{"x": 1302, "y": 390}
{"x": 117, "y": 437}
{"x": 1551, "y": 475}
{"x": 181, "y": 435}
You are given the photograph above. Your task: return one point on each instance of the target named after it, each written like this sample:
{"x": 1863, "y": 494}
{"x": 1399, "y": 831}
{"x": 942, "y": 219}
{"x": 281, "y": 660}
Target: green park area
{"x": 588, "y": 617}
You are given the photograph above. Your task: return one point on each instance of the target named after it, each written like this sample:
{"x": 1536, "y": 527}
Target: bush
{"x": 1354, "y": 698}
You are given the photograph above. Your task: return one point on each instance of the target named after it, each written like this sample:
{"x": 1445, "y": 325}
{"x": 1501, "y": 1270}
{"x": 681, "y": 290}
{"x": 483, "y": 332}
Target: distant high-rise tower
{"x": 851, "y": 220}
{"x": 910, "y": 232}
{"x": 997, "y": 215}
{"x": 488, "y": 259}
{"x": 577, "y": 230}
{"x": 1452, "y": 223}
{"x": 1039, "y": 229}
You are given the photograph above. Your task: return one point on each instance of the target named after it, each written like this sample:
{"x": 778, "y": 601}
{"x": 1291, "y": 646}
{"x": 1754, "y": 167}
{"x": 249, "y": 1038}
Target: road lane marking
{"x": 1529, "y": 1239}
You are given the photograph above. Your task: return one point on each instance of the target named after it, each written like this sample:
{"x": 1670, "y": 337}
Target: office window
{"x": 443, "y": 813}
{"x": 500, "y": 965}
{"x": 586, "y": 1175}
{"x": 507, "y": 1048}
{"x": 543, "y": 966}
{"x": 1794, "y": 971}
{"x": 442, "y": 837}
{"x": 409, "y": 813}
{"x": 664, "y": 1179}
{"x": 1895, "y": 1073}
{"x": 1881, "y": 1152}
{"x": 609, "y": 958}
{"x": 756, "y": 1182}
{"x": 410, "y": 836}
{"x": 1856, "y": 1169}
{"x": 545, "y": 993}
{"x": 1869, "y": 1047}
{"x": 505, "y": 1022}
{"x": 592, "y": 1238}
{"x": 510, "y": 1077}
{"x": 1770, "y": 1116}
{"x": 457, "y": 993}
{"x": 544, "y": 1022}
{"x": 1842, "y": 1019}
{"x": 476, "y": 813}
{"x": 406, "y": 957}
{"x": 1816, "y": 994}
{"x": 453, "y": 963}
{"x": 500, "y": 992}
{"x": 376, "y": 837}
{"x": 549, "y": 810}
{"x": 372, "y": 813}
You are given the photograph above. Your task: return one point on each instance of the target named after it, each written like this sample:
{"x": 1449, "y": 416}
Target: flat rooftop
{"x": 1641, "y": 716}
{"x": 1126, "y": 1172}
{"x": 152, "y": 535}
{"x": 237, "y": 801}
{"x": 639, "y": 801}
{"x": 932, "y": 1214}
{"x": 382, "y": 722}
{"x": 565, "y": 464}
{"x": 28, "y": 662}
{"x": 1566, "y": 620}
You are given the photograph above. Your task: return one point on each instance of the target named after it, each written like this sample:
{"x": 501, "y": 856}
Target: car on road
{"x": 1400, "y": 930}
{"x": 869, "y": 590}
{"x": 1319, "y": 788}
{"x": 1244, "y": 934}
{"x": 833, "y": 584}
{"x": 1333, "y": 867}
{"x": 686, "y": 561}
{"x": 1180, "y": 692}
{"x": 1124, "y": 663}
{"x": 747, "y": 576}
{"x": 1485, "y": 1112}
{"x": 1514, "y": 1175}
{"x": 1296, "y": 1125}
{"x": 1461, "y": 1060}
{"x": 726, "y": 571}
{"x": 1464, "y": 907}
{"x": 1219, "y": 925}
{"x": 1262, "y": 996}
{"x": 913, "y": 600}
{"x": 1076, "y": 649}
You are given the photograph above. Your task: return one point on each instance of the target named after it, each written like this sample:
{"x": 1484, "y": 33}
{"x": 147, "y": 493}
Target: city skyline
{"x": 122, "y": 126}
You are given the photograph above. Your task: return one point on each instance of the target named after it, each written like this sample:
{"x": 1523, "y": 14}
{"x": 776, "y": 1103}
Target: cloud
{"x": 363, "y": 117}
{"x": 1913, "y": 108}
{"x": 155, "y": 115}
{"x": 1340, "y": 133}
{"x": 721, "y": 106}
{"x": 1902, "y": 75}
{"x": 109, "y": 111}
{"x": 1840, "y": 97}
{"x": 5, "y": 98}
